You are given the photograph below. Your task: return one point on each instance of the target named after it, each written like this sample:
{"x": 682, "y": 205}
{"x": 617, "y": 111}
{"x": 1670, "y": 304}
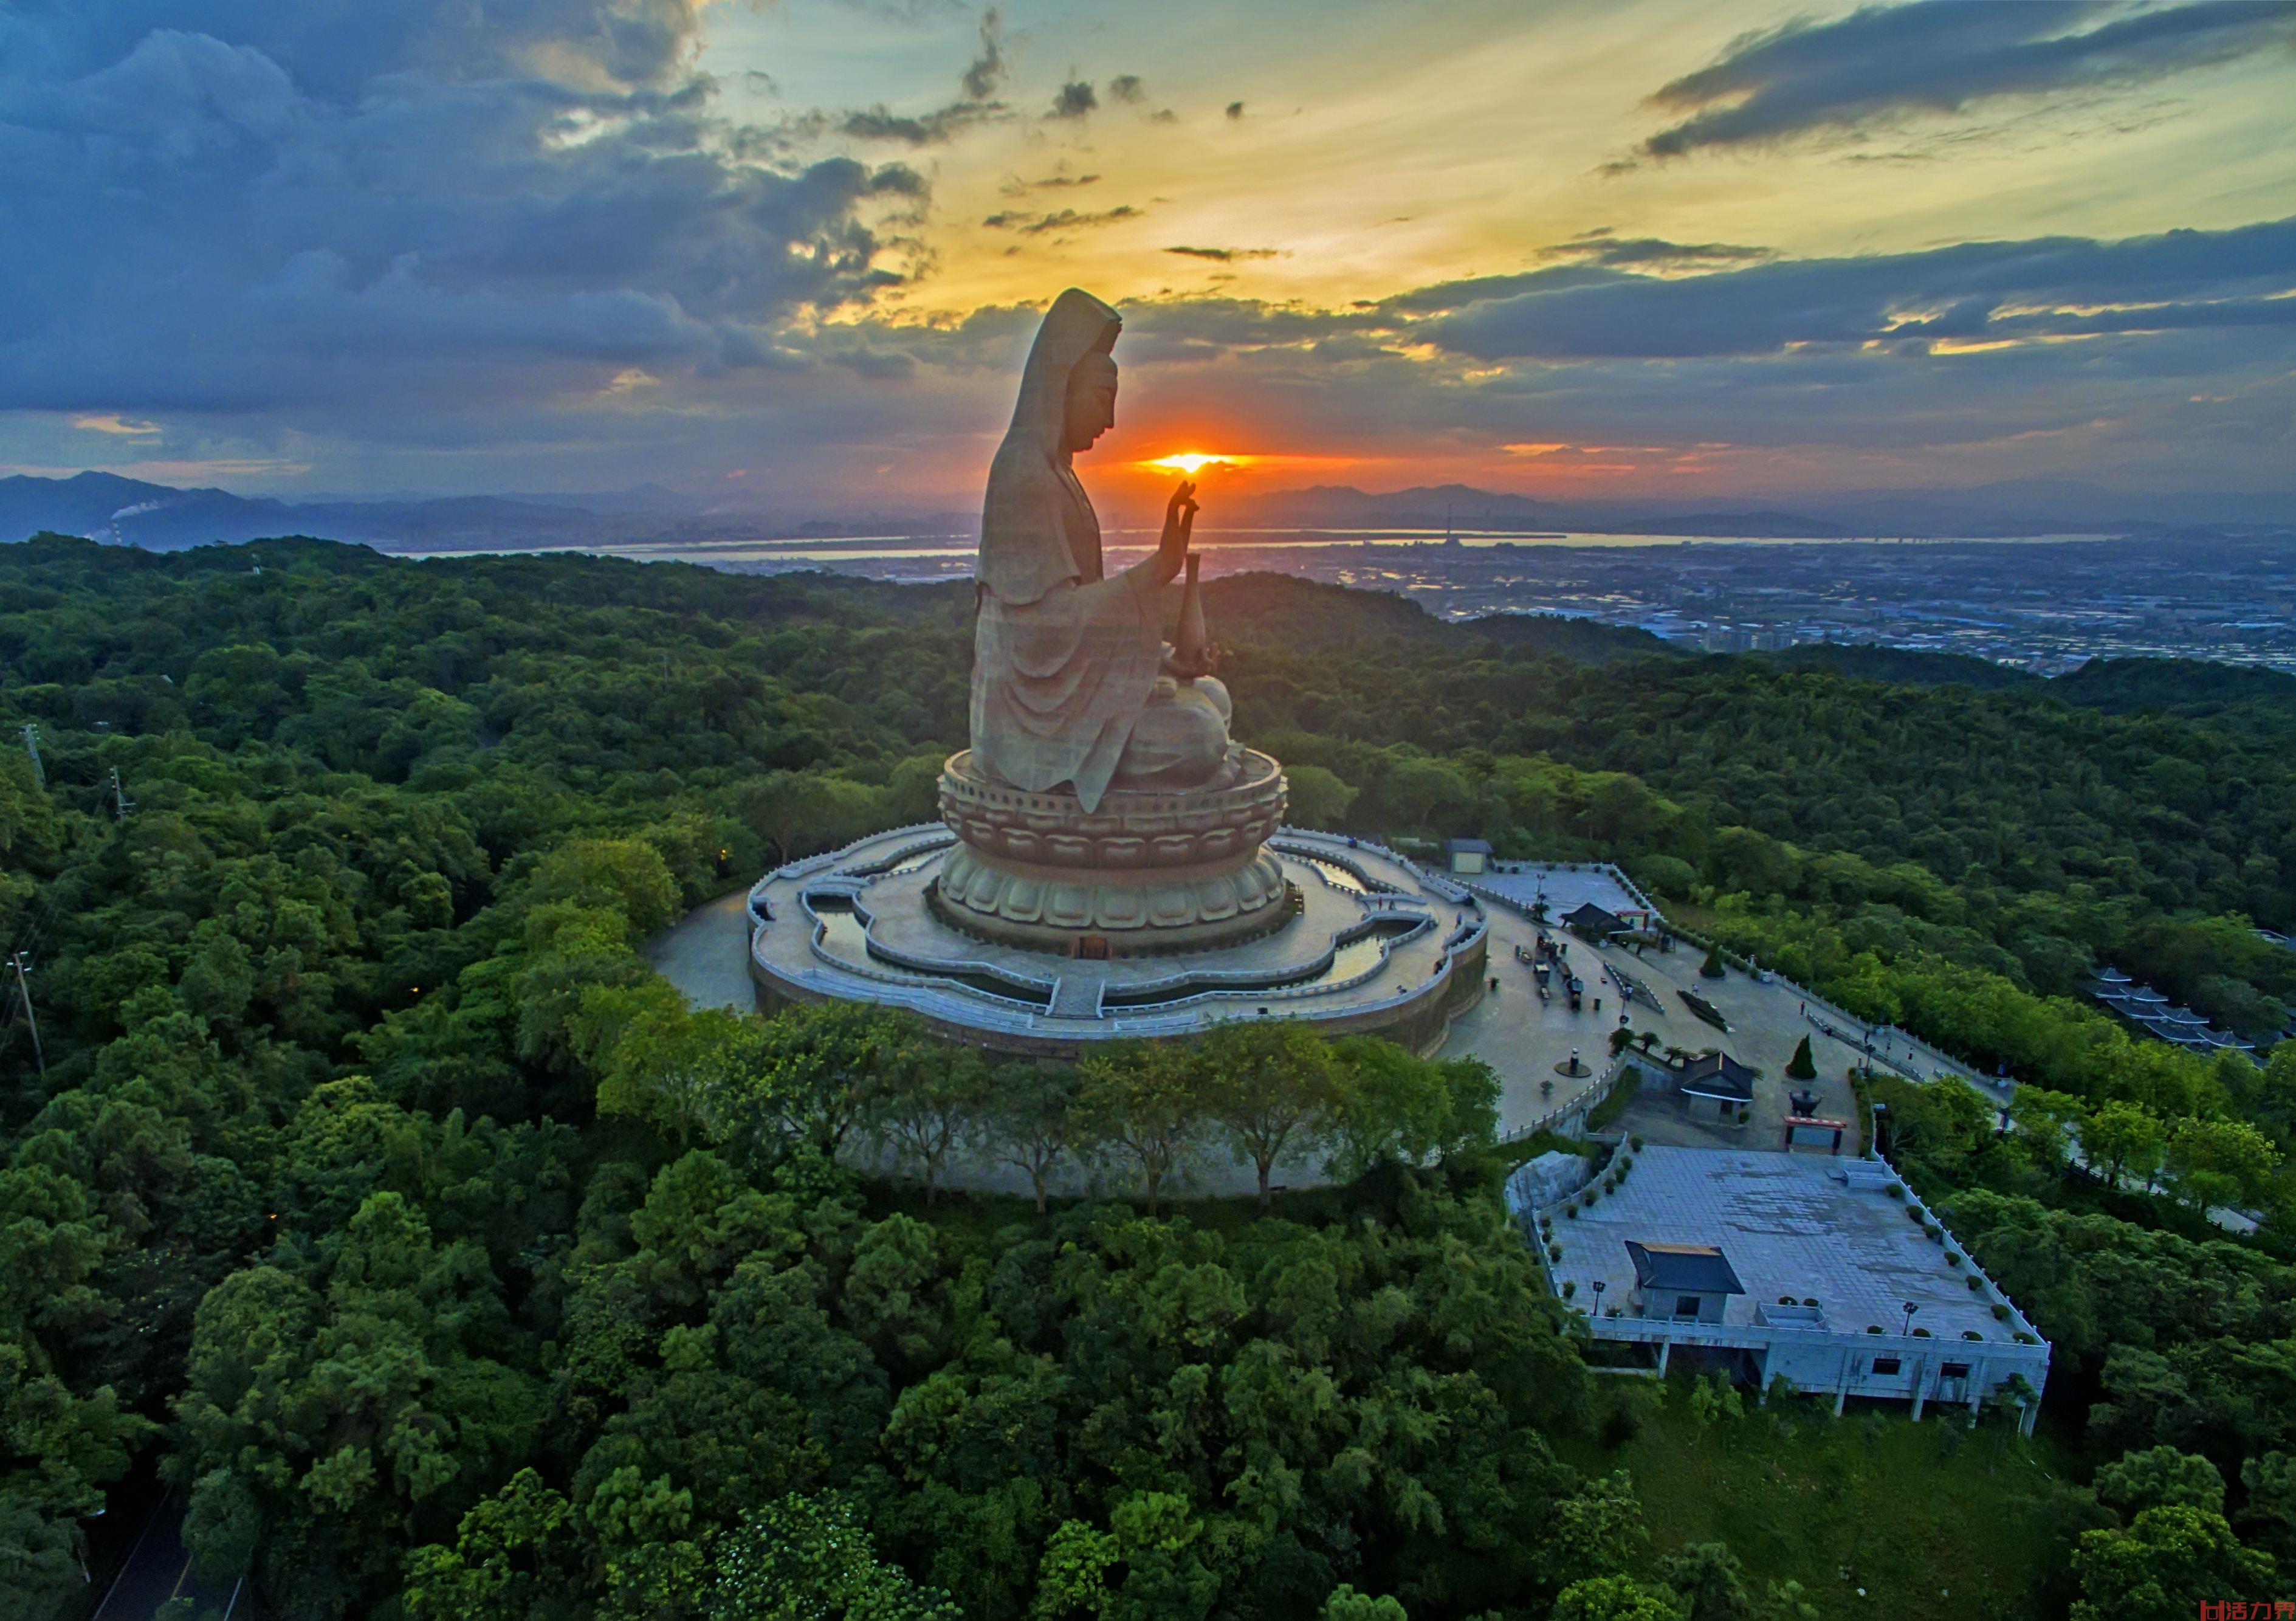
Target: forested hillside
{"x": 367, "y": 1191}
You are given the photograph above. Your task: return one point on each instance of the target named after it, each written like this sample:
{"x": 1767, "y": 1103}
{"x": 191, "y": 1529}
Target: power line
{"x": 24, "y": 989}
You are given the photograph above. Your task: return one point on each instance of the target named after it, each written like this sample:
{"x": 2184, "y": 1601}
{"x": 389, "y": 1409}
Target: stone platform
{"x": 1146, "y": 872}
{"x": 1374, "y": 942}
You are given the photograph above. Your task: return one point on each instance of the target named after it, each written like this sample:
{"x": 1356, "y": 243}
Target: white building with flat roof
{"x": 1787, "y": 1265}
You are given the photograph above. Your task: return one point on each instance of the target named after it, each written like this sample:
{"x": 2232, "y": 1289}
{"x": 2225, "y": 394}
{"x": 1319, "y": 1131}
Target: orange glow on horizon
{"x": 1193, "y": 461}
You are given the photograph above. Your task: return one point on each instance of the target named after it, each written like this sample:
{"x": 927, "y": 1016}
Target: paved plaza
{"x": 1524, "y": 1039}
{"x": 1527, "y": 1042}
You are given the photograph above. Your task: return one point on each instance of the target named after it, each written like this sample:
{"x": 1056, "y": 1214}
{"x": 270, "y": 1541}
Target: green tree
{"x": 1028, "y": 1119}
{"x": 2156, "y": 1567}
{"x": 2268, "y": 1518}
{"x": 2220, "y": 1162}
{"x": 1141, "y": 1100}
{"x": 1395, "y": 1107}
{"x": 811, "y": 1559}
{"x": 2126, "y": 1140}
{"x": 934, "y": 1099}
{"x": 1803, "y": 1065}
{"x": 1319, "y": 798}
{"x": 2137, "y": 1481}
{"x": 1271, "y": 1088}
{"x": 513, "y": 1558}
{"x": 1616, "y": 1598}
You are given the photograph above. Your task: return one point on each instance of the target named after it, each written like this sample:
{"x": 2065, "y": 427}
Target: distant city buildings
{"x": 2044, "y": 607}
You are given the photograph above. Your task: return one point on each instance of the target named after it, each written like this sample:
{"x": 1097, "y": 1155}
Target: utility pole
{"x": 24, "y": 989}
{"x": 121, "y": 803}
{"x": 32, "y": 747}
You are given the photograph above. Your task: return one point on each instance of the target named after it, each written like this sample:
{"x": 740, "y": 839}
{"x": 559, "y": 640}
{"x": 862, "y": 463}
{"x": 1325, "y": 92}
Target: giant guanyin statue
{"x": 1072, "y": 680}
{"x": 1101, "y": 807}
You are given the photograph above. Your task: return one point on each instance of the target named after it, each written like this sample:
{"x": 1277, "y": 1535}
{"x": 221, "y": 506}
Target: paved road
{"x": 159, "y": 1568}
{"x": 706, "y": 954}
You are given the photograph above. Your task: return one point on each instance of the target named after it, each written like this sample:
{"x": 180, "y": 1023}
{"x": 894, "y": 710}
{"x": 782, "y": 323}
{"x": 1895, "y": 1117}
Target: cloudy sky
{"x": 791, "y": 251}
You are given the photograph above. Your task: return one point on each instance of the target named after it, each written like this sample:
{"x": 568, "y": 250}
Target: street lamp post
{"x": 1599, "y": 1286}
{"x": 1910, "y": 1309}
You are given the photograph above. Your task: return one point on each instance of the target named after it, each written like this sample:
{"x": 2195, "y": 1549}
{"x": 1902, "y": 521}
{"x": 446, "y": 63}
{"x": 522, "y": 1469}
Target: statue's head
{"x": 1091, "y": 407}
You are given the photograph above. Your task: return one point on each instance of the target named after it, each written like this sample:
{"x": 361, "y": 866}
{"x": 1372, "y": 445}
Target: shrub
{"x": 1569, "y": 1289}
{"x": 1873, "y": 1328}
{"x": 1637, "y": 1143}
{"x": 1810, "y": 1300}
{"x": 2000, "y": 1312}
{"x": 1970, "y": 1334}
{"x": 1555, "y": 1252}
{"x": 1951, "y": 1259}
{"x": 1571, "y": 1211}
{"x": 1711, "y": 968}
{"x": 1921, "y": 1334}
{"x": 2024, "y": 1338}
{"x": 1975, "y": 1283}
{"x": 1914, "y": 1213}
{"x": 1785, "y": 1300}
{"x": 1896, "y": 1190}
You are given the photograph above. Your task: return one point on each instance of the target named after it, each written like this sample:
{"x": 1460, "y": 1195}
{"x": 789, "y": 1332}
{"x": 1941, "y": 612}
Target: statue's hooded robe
{"x": 1063, "y": 658}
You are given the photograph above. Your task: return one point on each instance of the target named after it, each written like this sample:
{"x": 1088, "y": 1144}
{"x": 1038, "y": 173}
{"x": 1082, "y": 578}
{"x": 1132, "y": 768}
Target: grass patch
{"x": 1495, "y": 1162}
{"x": 1620, "y": 1098}
{"x": 1935, "y": 1521}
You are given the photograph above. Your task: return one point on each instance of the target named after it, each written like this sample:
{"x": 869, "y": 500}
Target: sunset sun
{"x": 1193, "y": 461}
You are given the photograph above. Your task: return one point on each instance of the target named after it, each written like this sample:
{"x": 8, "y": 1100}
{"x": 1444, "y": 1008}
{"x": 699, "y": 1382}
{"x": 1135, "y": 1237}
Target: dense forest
{"x": 366, "y": 1191}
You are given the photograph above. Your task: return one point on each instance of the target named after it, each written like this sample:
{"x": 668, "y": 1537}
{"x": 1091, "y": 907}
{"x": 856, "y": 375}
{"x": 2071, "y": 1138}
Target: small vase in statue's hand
{"x": 1191, "y": 649}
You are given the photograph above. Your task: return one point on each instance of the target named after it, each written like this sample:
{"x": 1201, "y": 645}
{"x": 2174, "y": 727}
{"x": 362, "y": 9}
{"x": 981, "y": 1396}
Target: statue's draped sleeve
{"x": 1063, "y": 658}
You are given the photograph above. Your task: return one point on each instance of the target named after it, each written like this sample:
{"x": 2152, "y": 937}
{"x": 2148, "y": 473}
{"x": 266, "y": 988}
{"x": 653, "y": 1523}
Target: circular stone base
{"x": 1146, "y": 872}
{"x": 1065, "y": 914}
{"x": 1369, "y": 943}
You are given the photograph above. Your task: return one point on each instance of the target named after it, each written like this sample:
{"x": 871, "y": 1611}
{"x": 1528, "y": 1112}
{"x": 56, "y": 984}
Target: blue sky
{"x": 789, "y": 253}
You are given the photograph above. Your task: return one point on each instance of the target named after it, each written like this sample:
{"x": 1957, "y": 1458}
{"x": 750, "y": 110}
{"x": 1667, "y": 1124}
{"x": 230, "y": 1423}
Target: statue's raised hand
{"x": 1179, "y": 523}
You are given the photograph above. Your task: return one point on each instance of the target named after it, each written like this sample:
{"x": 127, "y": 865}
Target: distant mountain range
{"x": 159, "y": 517}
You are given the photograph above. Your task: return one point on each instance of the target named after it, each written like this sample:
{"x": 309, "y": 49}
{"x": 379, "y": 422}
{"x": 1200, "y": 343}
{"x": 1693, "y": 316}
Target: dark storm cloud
{"x": 1972, "y": 291}
{"x": 1012, "y": 185}
{"x": 1941, "y": 56}
{"x": 979, "y": 82}
{"x": 238, "y": 207}
{"x": 986, "y": 71}
{"x": 1065, "y": 219}
{"x": 1128, "y": 88}
{"x": 933, "y": 128}
{"x": 1075, "y": 100}
{"x": 1606, "y": 247}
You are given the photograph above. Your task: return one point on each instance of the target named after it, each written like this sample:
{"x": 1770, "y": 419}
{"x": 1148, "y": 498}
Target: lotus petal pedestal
{"x": 1148, "y": 872}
